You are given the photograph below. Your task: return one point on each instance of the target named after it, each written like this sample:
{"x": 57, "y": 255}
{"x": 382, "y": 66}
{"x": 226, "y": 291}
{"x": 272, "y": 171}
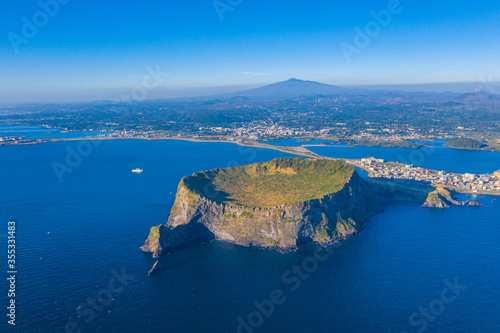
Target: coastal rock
{"x": 152, "y": 244}
{"x": 442, "y": 198}
{"x": 206, "y": 209}
{"x": 153, "y": 269}
{"x": 435, "y": 200}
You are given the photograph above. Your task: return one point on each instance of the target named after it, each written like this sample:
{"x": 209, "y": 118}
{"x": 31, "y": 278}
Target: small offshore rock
{"x": 154, "y": 268}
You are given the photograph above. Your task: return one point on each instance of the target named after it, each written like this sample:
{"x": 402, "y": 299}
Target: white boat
{"x": 137, "y": 170}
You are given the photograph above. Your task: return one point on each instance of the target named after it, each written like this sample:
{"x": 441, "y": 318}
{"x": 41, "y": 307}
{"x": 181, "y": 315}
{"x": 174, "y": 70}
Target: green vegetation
{"x": 155, "y": 233}
{"x": 327, "y": 143}
{"x": 271, "y": 184}
{"x": 380, "y": 143}
{"x": 247, "y": 215}
{"x": 268, "y": 241}
{"x": 464, "y": 143}
{"x": 384, "y": 116}
{"x": 323, "y": 231}
{"x": 439, "y": 198}
{"x": 385, "y": 144}
{"x": 435, "y": 200}
{"x": 306, "y": 140}
{"x": 343, "y": 227}
{"x": 442, "y": 191}
{"x": 393, "y": 164}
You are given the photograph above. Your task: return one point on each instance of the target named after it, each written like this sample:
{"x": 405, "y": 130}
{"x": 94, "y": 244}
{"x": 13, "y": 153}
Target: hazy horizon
{"x": 175, "y": 92}
{"x": 72, "y": 51}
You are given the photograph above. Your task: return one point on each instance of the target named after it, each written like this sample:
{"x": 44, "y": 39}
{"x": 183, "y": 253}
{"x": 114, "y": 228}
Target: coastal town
{"x": 267, "y": 129}
{"x": 377, "y": 168}
{"x": 470, "y": 183}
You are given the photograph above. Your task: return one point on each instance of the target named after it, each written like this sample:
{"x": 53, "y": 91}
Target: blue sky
{"x": 99, "y": 49}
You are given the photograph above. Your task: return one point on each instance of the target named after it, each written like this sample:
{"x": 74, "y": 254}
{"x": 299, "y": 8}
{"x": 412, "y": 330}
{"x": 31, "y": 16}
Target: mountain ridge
{"x": 295, "y": 88}
{"x": 291, "y": 88}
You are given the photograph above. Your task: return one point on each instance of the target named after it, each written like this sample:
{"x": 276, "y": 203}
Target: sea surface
{"x": 98, "y": 213}
{"x": 436, "y": 157}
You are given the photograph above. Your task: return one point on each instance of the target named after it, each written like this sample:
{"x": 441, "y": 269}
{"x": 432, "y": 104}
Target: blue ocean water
{"x": 100, "y": 213}
{"x": 436, "y": 157}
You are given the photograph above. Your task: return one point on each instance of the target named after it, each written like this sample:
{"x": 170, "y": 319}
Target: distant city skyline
{"x": 64, "y": 51}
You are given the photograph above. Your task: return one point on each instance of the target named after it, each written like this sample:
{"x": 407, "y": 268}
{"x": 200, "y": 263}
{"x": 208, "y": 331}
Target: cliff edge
{"x": 278, "y": 204}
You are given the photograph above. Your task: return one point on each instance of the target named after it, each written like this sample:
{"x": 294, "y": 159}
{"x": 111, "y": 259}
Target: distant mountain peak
{"x": 293, "y": 88}
{"x": 477, "y": 95}
{"x": 297, "y": 88}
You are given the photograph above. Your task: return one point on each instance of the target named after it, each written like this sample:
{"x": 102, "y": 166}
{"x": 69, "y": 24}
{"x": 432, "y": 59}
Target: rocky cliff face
{"x": 435, "y": 200}
{"x": 195, "y": 218}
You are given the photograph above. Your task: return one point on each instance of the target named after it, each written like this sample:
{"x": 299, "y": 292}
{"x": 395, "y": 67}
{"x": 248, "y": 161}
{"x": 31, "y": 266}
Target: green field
{"x": 465, "y": 143}
{"x": 270, "y": 184}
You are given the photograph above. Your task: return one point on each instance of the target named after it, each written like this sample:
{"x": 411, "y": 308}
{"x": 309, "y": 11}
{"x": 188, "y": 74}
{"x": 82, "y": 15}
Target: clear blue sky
{"x": 95, "y": 49}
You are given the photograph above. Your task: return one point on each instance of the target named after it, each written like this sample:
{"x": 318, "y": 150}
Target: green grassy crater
{"x": 270, "y": 184}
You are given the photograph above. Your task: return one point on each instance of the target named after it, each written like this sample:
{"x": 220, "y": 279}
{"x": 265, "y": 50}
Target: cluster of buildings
{"x": 260, "y": 130}
{"x": 126, "y": 134}
{"x": 265, "y": 129}
{"x": 13, "y": 140}
{"x": 10, "y": 138}
{"x": 467, "y": 182}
